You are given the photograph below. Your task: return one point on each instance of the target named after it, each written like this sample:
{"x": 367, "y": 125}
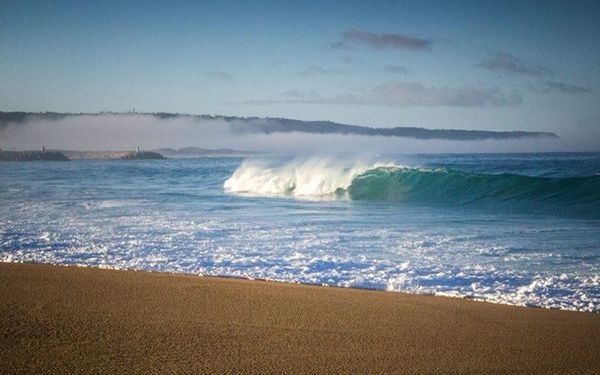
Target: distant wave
{"x": 323, "y": 179}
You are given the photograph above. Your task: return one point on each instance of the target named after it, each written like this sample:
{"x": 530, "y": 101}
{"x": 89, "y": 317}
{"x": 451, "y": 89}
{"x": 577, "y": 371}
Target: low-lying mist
{"x": 113, "y": 132}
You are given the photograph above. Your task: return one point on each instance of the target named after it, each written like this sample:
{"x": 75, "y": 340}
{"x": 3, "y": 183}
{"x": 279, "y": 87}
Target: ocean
{"x": 520, "y": 229}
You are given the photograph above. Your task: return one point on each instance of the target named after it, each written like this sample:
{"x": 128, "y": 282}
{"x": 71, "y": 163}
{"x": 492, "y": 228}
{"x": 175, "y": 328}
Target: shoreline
{"x": 64, "y": 319}
{"x": 252, "y": 279}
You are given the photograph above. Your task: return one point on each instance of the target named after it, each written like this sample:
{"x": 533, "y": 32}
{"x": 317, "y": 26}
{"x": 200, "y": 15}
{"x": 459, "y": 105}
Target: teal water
{"x": 517, "y": 229}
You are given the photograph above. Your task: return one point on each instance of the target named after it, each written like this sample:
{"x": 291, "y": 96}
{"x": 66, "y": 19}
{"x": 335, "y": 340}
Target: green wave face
{"x": 448, "y": 187}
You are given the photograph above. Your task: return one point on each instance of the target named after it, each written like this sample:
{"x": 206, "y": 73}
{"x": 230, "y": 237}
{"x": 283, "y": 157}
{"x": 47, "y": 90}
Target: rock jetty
{"x": 32, "y": 156}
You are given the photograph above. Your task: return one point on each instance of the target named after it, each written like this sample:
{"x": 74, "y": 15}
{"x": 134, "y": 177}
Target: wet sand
{"x": 82, "y": 320}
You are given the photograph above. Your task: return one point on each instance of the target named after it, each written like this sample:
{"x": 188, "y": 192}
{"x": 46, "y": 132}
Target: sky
{"x": 490, "y": 65}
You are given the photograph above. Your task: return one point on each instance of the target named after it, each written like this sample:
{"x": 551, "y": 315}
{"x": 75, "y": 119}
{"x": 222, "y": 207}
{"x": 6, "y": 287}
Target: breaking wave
{"x": 388, "y": 182}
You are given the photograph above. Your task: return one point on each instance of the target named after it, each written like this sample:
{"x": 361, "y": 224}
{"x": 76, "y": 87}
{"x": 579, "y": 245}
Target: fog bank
{"x": 113, "y": 132}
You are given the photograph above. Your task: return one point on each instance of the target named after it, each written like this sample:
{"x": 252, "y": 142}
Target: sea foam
{"x": 175, "y": 216}
{"x": 303, "y": 178}
{"x": 389, "y": 182}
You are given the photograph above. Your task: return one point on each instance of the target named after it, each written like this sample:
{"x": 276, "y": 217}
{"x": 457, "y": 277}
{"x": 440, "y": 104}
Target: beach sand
{"x": 67, "y": 320}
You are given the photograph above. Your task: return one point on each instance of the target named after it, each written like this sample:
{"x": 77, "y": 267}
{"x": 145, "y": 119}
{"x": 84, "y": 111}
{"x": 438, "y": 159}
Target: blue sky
{"x": 438, "y": 64}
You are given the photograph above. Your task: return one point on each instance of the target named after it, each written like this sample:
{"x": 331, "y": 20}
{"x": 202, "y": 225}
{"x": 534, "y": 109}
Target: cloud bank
{"x": 416, "y": 94}
{"x": 219, "y": 76}
{"x": 398, "y": 69}
{"x": 406, "y": 94}
{"x": 505, "y": 63}
{"x": 319, "y": 70}
{"x": 566, "y": 88}
{"x": 382, "y": 41}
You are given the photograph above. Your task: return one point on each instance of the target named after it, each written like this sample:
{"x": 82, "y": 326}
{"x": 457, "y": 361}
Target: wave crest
{"x": 314, "y": 178}
{"x": 327, "y": 179}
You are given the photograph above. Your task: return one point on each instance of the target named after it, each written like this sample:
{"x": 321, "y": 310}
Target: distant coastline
{"x": 158, "y": 154}
{"x": 53, "y": 155}
{"x": 192, "y": 152}
{"x": 32, "y": 156}
{"x": 269, "y": 125}
{"x": 113, "y": 155}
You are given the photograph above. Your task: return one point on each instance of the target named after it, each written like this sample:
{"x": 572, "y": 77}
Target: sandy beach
{"x": 68, "y": 320}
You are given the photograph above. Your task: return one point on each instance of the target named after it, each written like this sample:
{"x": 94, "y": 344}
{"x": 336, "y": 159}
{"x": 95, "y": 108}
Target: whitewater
{"x": 520, "y": 229}
{"x": 358, "y": 180}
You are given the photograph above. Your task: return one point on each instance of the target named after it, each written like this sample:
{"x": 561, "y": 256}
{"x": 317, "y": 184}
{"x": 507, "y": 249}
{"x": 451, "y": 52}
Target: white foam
{"x": 310, "y": 178}
{"x": 395, "y": 248}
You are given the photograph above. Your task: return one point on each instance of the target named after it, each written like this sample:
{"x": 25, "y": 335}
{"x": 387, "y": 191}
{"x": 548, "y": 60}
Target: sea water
{"x": 519, "y": 229}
